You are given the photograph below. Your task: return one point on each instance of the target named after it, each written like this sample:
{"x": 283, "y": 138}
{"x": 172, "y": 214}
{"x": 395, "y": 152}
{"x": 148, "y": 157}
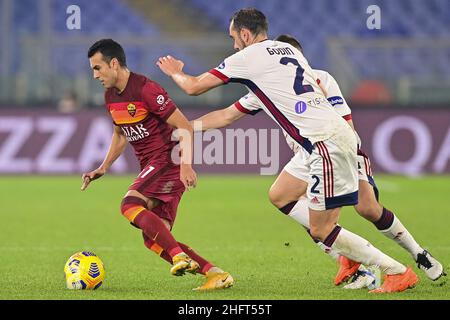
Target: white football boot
{"x": 428, "y": 264}
{"x": 365, "y": 278}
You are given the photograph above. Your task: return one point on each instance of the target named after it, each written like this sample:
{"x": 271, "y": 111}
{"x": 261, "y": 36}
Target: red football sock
{"x": 152, "y": 245}
{"x": 204, "y": 264}
{"x": 155, "y": 229}
{"x": 135, "y": 210}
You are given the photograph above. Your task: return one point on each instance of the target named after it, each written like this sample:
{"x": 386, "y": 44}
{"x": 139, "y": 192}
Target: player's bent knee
{"x": 321, "y": 232}
{"x": 369, "y": 211}
{"x": 132, "y": 206}
{"x": 276, "y": 198}
{"x": 316, "y": 233}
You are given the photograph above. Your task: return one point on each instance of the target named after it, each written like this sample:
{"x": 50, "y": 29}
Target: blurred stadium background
{"x": 396, "y": 79}
{"x": 53, "y": 122}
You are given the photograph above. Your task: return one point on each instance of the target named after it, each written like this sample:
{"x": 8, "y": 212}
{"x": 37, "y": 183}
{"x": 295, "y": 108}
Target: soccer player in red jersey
{"x": 144, "y": 115}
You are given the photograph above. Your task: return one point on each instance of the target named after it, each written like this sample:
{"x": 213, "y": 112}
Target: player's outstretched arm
{"x": 193, "y": 86}
{"x": 217, "y": 119}
{"x": 186, "y": 137}
{"x": 116, "y": 148}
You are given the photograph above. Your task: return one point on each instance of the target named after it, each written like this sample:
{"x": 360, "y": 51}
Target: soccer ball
{"x": 84, "y": 270}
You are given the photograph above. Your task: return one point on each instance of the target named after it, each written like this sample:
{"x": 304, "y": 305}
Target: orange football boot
{"x": 398, "y": 282}
{"x": 347, "y": 268}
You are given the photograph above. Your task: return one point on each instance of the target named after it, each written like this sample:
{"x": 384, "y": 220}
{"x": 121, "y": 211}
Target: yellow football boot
{"x": 182, "y": 263}
{"x": 216, "y": 280}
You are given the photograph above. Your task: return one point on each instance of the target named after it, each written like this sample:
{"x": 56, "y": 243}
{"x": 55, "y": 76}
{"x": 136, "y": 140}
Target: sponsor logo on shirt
{"x": 163, "y": 103}
{"x": 160, "y": 99}
{"x": 221, "y": 66}
{"x": 316, "y": 101}
{"x": 135, "y": 133}
{"x": 300, "y": 107}
{"x": 336, "y": 100}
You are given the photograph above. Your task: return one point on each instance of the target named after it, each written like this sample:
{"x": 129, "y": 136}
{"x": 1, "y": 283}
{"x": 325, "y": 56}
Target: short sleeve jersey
{"x": 279, "y": 76}
{"x": 334, "y": 94}
{"x": 141, "y": 111}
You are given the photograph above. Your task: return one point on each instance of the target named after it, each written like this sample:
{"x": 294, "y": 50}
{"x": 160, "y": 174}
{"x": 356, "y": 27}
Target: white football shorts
{"x": 331, "y": 171}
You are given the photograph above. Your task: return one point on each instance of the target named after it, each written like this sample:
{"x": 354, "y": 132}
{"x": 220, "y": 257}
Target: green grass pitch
{"x": 227, "y": 219}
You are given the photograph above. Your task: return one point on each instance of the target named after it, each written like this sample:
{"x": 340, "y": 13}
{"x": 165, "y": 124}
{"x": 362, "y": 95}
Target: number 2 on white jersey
{"x": 299, "y": 87}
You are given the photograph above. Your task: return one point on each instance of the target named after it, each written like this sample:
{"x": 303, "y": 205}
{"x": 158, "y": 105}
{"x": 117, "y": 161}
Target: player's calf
{"x": 368, "y": 206}
{"x": 134, "y": 209}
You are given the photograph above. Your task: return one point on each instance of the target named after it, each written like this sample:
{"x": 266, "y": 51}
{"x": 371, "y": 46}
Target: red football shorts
{"x": 161, "y": 180}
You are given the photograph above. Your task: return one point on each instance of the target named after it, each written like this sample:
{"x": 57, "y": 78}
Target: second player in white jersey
{"x": 333, "y": 93}
{"x": 298, "y": 166}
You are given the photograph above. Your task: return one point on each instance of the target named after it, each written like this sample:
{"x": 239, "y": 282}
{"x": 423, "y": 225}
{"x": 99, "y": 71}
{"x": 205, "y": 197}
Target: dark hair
{"x": 251, "y": 19}
{"x": 291, "y": 40}
{"x": 109, "y": 49}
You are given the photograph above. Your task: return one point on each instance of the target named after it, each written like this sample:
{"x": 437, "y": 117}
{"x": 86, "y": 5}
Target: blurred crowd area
{"x": 43, "y": 63}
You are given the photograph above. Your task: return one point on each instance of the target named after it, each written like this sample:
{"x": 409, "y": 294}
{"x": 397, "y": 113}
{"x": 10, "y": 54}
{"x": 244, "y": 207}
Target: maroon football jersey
{"x": 141, "y": 111}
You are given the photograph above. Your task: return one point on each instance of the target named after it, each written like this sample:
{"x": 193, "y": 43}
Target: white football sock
{"x": 401, "y": 235}
{"x": 329, "y": 251}
{"x": 358, "y": 249}
{"x": 300, "y": 213}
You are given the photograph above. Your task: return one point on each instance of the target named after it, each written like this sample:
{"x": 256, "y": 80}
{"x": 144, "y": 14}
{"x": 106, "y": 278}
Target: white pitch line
{"x": 51, "y": 248}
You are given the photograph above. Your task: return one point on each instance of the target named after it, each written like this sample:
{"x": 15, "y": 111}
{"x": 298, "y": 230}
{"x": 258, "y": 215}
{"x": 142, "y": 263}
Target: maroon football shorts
{"x": 161, "y": 180}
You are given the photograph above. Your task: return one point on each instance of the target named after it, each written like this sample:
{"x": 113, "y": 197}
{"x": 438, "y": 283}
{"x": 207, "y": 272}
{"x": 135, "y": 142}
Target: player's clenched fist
{"x": 90, "y": 176}
{"x": 169, "y": 65}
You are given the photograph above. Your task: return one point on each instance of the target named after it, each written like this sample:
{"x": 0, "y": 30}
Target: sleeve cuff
{"x": 219, "y": 75}
{"x": 347, "y": 117}
{"x": 239, "y": 106}
{"x": 169, "y": 113}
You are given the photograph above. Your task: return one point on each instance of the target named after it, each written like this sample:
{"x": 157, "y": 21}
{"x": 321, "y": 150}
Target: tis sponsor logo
{"x": 315, "y": 102}
{"x": 336, "y": 100}
{"x": 221, "y": 66}
{"x": 131, "y": 109}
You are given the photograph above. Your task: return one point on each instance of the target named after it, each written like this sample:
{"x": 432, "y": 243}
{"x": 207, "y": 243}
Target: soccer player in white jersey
{"x": 287, "y": 190}
{"x": 284, "y": 83}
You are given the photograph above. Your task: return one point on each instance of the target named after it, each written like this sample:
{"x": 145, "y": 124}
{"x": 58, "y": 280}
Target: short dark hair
{"x": 110, "y": 50}
{"x": 251, "y": 19}
{"x": 291, "y": 40}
